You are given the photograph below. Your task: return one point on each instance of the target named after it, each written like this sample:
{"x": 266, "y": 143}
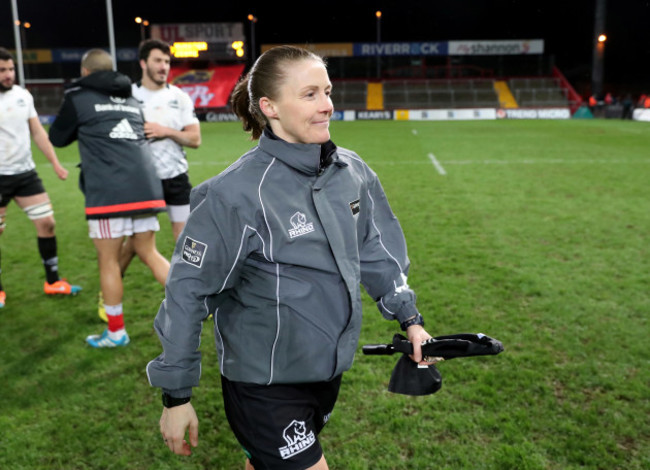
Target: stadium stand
{"x": 538, "y": 92}
{"x": 47, "y": 96}
{"x": 351, "y": 94}
{"x": 401, "y": 94}
{"x": 473, "y": 93}
{"x": 454, "y": 85}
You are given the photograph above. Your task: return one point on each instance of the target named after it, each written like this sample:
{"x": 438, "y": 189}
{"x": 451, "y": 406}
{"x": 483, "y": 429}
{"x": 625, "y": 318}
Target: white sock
{"x": 117, "y": 335}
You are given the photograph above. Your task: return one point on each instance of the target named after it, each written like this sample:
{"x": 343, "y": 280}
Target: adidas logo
{"x": 123, "y": 130}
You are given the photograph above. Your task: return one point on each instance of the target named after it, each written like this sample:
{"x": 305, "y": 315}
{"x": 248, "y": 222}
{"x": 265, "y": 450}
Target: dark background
{"x": 566, "y": 26}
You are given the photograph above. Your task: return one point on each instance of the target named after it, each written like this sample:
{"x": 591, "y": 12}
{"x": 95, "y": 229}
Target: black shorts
{"x": 177, "y": 190}
{"x": 278, "y": 425}
{"x": 21, "y": 185}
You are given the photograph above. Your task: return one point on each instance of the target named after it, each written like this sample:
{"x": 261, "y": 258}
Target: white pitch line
{"x": 550, "y": 161}
{"x": 437, "y": 164}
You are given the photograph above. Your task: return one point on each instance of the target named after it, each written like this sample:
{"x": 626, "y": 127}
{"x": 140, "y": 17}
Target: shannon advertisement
{"x": 500, "y": 47}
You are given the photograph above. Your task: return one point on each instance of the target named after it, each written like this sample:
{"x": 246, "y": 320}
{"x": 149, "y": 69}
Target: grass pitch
{"x": 533, "y": 232}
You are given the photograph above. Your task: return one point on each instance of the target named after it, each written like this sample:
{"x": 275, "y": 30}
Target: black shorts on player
{"x": 21, "y": 185}
{"x": 278, "y": 425}
{"x": 177, "y": 190}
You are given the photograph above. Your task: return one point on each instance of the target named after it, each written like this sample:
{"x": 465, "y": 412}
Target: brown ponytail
{"x": 241, "y": 106}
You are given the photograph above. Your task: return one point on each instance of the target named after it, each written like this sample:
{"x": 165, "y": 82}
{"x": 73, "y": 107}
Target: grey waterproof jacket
{"x": 276, "y": 247}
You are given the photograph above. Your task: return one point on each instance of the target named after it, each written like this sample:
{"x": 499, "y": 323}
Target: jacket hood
{"x": 107, "y": 82}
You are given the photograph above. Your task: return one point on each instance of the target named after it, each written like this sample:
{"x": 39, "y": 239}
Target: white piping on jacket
{"x": 259, "y": 194}
{"x": 277, "y": 270}
{"x": 277, "y": 316}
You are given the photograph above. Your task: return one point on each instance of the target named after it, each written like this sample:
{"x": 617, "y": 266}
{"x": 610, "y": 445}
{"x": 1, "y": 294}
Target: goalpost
{"x": 48, "y": 92}
{"x": 19, "y": 47}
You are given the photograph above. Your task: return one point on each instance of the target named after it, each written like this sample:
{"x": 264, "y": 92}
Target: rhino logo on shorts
{"x": 294, "y": 432}
{"x": 297, "y": 439}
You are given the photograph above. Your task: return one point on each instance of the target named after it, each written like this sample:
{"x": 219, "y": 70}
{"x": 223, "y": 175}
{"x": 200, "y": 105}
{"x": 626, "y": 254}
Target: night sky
{"x": 567, "y": 26}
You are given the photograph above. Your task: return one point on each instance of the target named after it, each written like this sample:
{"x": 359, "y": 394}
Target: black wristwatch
{"x": 170, "y": 402}
{"x": 416, "y": 320}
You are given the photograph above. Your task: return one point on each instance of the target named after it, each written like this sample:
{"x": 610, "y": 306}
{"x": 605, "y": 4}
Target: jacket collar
{"x": 305, "y": 158}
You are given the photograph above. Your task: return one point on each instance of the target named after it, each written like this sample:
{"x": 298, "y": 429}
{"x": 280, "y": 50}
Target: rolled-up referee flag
{"x": 409, "y": 378}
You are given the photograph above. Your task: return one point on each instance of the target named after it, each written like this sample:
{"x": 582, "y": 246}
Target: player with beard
{"x": 18, "y": 177}
{"x": 170, "y": 125}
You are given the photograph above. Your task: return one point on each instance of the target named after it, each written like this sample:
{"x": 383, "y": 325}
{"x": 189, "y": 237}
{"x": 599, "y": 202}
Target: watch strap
{"x": 415, "y": 320}
{"x": 169, "y": 401}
